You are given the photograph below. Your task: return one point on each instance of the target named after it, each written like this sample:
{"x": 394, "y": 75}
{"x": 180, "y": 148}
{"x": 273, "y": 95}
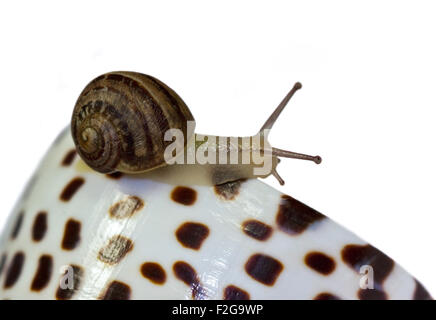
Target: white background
{"x": 367, "y": 105}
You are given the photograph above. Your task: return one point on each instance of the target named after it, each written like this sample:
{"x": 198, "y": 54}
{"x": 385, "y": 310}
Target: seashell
{"x": 79, "y": 234}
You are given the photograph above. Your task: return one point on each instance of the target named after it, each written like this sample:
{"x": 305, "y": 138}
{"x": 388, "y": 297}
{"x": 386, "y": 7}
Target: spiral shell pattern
{"x": 120, "y": 119}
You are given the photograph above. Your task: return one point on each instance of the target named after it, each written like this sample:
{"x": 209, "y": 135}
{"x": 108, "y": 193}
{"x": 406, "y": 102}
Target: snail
{"x": 121, "y": 119}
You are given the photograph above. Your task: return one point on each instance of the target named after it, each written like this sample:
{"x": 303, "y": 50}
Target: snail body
{"x": 120, "y": 122}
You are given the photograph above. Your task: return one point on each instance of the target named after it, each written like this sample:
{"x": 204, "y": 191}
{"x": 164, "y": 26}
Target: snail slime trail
{"x": 133, "y": 123}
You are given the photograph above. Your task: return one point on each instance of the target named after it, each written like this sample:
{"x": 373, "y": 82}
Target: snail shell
{"x": 119, "y": 122}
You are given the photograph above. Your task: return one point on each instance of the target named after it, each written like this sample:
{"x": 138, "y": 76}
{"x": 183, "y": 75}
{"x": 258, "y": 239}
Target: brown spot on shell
{"x": 39, "y": 226}
{"x": 71, "y": 234}
{"x": 372, "y": 294}
{"x": 17, "y": 226}
{"x": 356, "y": 256}
{"x": 69, "y": 158}
{"x": 326, "y": 296}
{"x": 234, "y": 293}
{"x": 228, "y": 190}
{"x": 14, "y": 270}
{"x": 420, "y": 292}
{"x": 294, "y": 217}
{"x": 43, "y": 273}
{"x": 126, "y": 207}
{"x": 257, "y": 230}
{"x": 191, "y": 234}
{"x": 263, "y": 268}
{"x": 114, "y": 175}
{"x": 184, "y": 272}
{"x": 71, "y": 188}
{"x": 153, "y": 272}
{"x": 117, "y": 291}
{"x": 115, "y": 250}
{"x": 184, "y": 195}
{"x": 320, "y": 262}
{"x": 70, "y": 282}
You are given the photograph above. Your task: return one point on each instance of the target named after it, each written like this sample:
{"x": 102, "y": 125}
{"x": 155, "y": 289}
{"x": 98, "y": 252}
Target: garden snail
{"x": 121, "y": 119}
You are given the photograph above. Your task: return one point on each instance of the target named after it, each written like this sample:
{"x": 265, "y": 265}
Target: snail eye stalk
{"x": 269, "y": 124}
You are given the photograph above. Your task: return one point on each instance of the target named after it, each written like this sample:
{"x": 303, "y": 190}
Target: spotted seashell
{"x": 78, "y": 234}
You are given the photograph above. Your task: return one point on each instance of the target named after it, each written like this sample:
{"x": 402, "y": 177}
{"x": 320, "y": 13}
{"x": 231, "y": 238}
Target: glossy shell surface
{"x": 78, "y": 234}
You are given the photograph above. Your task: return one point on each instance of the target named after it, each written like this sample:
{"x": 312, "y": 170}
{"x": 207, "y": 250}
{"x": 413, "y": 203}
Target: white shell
{"x": 219, "y": 263}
